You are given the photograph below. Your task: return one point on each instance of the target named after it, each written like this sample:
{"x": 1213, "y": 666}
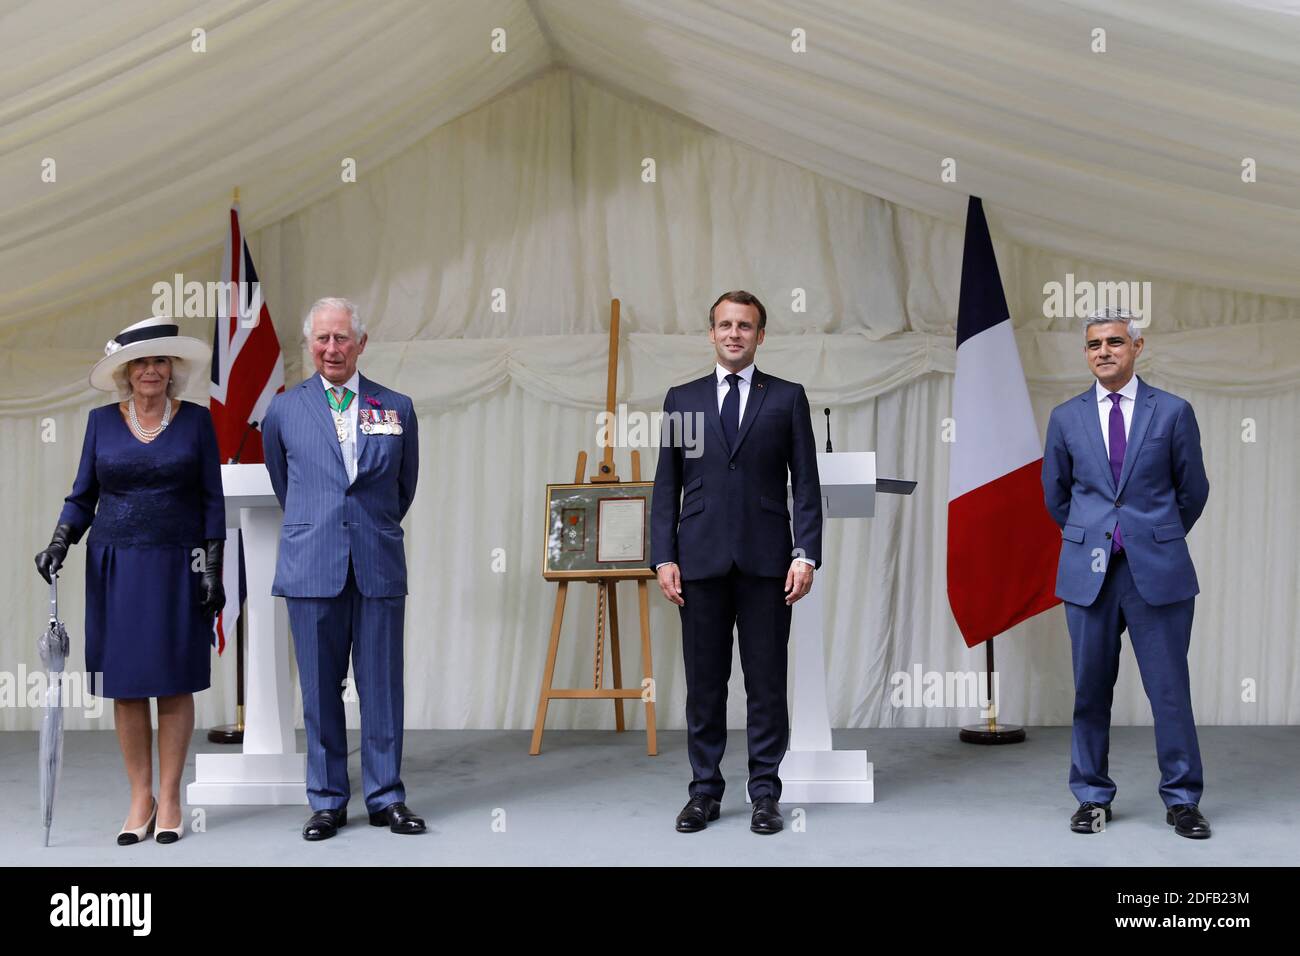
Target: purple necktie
{"x": 1118, "y": 445}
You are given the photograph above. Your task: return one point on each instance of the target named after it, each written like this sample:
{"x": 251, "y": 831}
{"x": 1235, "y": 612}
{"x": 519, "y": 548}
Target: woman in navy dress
{"x": 149, "y": 490}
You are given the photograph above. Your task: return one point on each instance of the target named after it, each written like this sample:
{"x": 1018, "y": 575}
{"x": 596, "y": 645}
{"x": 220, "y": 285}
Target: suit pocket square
{"x": 1073, "y": 532}
{"x": 1169, "y": 532}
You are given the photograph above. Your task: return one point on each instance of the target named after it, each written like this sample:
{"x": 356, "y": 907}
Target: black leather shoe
{"x": 1087, "y": 819}
{"x": 325, "y": 823}
{"x": 766, "y": 817}
{"x": 398, "y": 818}
{"x": 697, "y": 814}
{"x": 1187, "y": 821}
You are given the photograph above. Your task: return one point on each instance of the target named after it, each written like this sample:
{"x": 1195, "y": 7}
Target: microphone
{"x": 251, "y": 426}
{"x": 828, "y": 430}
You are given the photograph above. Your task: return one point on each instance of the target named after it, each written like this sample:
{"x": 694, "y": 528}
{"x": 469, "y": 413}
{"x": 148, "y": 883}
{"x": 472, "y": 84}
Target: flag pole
{"x": 234, "y": 733}
{"x": 991, "y": 732}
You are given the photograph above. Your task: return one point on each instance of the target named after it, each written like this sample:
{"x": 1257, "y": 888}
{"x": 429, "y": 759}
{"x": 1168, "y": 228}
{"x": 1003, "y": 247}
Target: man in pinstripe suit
{"x": 343, "y": 454}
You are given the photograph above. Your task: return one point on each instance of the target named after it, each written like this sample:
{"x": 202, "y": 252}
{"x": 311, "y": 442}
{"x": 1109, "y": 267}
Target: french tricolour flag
{"x": 1002, "y": 544}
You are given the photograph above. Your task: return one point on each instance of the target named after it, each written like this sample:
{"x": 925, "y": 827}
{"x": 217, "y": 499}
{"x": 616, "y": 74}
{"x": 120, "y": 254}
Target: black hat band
{"x": 151, "y": 332}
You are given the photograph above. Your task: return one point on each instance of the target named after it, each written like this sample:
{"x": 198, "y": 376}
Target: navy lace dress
{"x": 158, "y": 502}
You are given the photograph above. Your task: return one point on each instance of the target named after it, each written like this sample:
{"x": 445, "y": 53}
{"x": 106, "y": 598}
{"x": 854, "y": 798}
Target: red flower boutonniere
{"x": 372, "y": 402}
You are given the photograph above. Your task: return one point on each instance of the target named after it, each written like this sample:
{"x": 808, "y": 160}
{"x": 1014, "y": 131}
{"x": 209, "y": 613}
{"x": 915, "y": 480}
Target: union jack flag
{"x": 247, "y": 372}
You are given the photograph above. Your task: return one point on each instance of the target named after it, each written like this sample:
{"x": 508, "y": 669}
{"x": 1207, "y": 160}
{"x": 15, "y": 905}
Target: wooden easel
{"x": 606, "y": 601}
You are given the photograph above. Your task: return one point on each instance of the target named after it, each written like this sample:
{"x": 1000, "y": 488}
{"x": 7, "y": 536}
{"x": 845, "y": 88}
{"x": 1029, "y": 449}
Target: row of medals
{"x": 370, "y": 423}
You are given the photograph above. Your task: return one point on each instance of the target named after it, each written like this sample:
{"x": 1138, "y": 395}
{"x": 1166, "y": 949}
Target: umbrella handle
{"x": 54, "y": 597}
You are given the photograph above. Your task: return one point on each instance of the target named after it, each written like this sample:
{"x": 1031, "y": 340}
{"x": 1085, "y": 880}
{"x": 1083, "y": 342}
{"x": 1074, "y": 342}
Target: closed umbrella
{"x": 53, "y": 648}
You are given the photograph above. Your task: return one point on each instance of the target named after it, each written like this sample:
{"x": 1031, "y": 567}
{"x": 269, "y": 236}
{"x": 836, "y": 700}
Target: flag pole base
{"x": 990, "y": 734}
{"x": 227, "y": 734}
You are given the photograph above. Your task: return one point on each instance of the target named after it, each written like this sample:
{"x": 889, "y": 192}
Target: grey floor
{"x": 596, "y": 798}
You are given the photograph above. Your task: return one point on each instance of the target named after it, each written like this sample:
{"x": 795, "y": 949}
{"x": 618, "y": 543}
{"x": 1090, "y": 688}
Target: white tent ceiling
{"x": 1132, "y": 156}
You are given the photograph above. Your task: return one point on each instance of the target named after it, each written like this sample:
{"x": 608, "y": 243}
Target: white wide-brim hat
{"x": 153, "y": 336}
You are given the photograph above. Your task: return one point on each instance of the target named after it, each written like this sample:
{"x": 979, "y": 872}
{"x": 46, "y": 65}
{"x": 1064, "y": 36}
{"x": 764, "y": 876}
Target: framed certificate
{"x": 621, "y": 525}
{"x": 596, "y": 531}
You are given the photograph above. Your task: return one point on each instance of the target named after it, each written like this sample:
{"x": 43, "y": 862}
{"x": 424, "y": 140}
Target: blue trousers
{"x": 1160, "y": 637}
{"x": 325, "y": 632}
{"x": 755, "y": 608}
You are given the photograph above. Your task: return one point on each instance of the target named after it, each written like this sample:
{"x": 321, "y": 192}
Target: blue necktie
{"x": 731, "y": 411}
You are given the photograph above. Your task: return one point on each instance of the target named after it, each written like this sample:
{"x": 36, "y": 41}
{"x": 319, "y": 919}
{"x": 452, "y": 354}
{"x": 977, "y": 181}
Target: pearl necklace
{"x": 149, "y": 434}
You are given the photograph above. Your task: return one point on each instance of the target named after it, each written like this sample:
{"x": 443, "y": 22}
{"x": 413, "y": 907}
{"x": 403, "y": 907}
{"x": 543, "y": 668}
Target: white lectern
{"x": 268, "y": 771}
{"x": 812, "y": 772}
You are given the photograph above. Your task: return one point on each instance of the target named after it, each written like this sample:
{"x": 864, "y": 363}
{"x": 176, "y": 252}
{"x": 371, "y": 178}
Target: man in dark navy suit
{"x": 720, "y": 540}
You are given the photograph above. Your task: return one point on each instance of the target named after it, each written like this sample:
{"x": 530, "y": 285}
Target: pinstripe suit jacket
{"x": 326, "y": 518}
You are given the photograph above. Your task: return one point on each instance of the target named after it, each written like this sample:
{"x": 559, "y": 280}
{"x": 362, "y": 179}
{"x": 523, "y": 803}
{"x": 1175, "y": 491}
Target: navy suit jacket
{"x": 1161, "y": 492}
{"x": 326, "y": 518}
{"x": 729, "y": 504}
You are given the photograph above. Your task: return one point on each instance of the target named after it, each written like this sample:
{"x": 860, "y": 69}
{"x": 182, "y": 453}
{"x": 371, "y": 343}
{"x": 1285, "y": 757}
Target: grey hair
{"x": 180, "y": 377}
{"x": 331, "y": 302}
{"x": 1104, "y": 316}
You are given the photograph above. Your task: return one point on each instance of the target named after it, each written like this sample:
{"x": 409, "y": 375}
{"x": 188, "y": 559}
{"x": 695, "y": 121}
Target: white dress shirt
{"x": 349, "y": 447}
{"x": 1129, "y": 394}
{"x": 746, "y": 377}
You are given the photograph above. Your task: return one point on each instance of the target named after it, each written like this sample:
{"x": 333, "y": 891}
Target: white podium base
{"x": 232, "y": 779}
{"x": 827, "y": 776}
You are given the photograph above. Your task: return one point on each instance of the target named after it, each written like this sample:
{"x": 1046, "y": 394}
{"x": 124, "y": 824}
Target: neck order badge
{"x": 340, "y": 399}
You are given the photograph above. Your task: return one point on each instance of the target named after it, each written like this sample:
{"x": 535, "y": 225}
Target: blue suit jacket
{"x": 326, "y": 519}
{"x": 730, "y": 504}
{"x": 1161, "y": 492}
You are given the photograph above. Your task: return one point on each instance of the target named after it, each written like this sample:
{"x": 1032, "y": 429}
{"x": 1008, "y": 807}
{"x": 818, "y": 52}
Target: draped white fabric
{"x": 1132, "y": 156}
{"x": 148, "y": 135}
{"x": 539, "y": 194}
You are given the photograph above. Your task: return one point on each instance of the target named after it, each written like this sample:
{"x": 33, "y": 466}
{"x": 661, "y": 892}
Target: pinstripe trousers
{"x": 325, "y": 632}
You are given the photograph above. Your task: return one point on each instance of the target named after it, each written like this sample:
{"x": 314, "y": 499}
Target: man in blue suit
{"x": 1124, "y": 479}
{"x": 720, "y": 541}
{"x": 343, "y": 454}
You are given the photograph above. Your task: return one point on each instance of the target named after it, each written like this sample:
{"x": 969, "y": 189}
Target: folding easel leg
{"x": 615, "y": 661}
{"x": 549, "y": 675}
{"x": 647, "y": 669}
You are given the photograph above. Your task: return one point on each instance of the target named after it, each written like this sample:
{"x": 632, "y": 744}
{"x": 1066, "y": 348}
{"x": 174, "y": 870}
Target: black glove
{"x": 213, "y": 600}
{"x": 50, "y": 560}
